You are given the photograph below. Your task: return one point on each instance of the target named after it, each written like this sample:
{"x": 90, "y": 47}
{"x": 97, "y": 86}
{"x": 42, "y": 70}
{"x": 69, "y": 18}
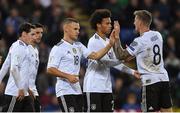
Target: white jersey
{"x": 5, "y": 67}
{"x": 97, "y": 77}
{"x": 34, "y": 63}
{"x": 148, "y": 50}
{"x": 19, "y": 56}
{"x": 66, "y": 58}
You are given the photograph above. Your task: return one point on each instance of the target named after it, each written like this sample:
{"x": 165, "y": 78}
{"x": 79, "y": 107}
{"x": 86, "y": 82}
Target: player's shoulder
{"x": 94, "y": 39}
{"x": 18, "y": 45}
{"x": 58, "y": 46}
{"x": 60, "y": 43}
{"x": 155, "y": 35}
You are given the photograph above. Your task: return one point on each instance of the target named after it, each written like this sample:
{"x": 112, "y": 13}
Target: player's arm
{"x": 55, "y": 72}
{"x": 16, "y": 59}
{"x": 128, "y": 70}
{"x": 99, "y": 54}
{"x": 121, "y": 54}
{"x": 53, "y": 63}
{"x": 5, "y": 68}
{"x": 109, "y": 62}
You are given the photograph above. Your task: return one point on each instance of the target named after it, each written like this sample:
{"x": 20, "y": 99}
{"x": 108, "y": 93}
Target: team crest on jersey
{"x": 74, "y": 50}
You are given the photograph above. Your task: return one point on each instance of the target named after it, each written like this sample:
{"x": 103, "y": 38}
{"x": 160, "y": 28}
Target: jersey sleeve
{"x": 134, "y": 48}
{"x": 16, "y": 60}
{"x": 55, "y": 57}
{"x": 85, "y": 51}
{"x": 5, "y": 67}
{"x": 123, "y": 68}
{"x": 93, "y": 45}
{"x": 16, "y": 56}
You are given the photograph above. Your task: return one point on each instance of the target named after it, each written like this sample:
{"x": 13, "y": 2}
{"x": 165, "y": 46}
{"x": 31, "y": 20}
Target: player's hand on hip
{"x": 31, "y": 94}
{"x": 137, "y": 74}
{"x": 73, "y": 79}
{"x": 21, "y": 94}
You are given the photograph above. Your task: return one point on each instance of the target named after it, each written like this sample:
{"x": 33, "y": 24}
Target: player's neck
{"x": 23, "y": 40}
{"x": 103, "y": 36}
{"x": 33, "y": 44}
{"x": 143, "y": 30}
{"x": 67, "y": 39}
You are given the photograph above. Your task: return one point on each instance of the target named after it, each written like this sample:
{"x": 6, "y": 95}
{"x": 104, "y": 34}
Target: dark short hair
{"x": 98, "y": 16}
{"x": 145, "y": 16}
{"x": 25, "y": 27}
{"x": 69, "y": 20}
{"x": 38, "y": 25}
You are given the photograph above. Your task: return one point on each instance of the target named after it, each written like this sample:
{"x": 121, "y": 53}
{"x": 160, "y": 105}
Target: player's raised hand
{"x": 117, "y": 29}
{"x": 112, "y": 38}
{"x": 137, "y": 74}
{"x": 72, "y": 79}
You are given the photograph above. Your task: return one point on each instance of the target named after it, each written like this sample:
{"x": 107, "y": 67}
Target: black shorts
{"x": 12, "y": 104}
{"x": 156, "y": 96}
{"x": 71, "y": 103}
{"x": 99, "y": 102}
{"x": 37, "y": 105}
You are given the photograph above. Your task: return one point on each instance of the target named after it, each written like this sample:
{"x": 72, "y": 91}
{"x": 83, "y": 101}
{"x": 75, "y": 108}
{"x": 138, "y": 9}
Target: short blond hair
{"x": 145, "y": 16}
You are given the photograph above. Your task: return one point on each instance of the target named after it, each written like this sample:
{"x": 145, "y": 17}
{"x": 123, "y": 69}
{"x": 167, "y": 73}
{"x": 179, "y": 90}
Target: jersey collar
{"x": 67, "y": 42}
{"x": 23, "y": 42}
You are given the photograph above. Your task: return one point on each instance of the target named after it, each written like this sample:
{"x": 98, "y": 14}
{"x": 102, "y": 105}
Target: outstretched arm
{"x": 128, "y": 70}
{"x": 109, "y": 62}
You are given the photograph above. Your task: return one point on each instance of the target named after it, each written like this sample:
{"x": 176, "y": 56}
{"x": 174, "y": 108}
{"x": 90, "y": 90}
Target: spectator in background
{"x": 147, "y": 5}
{"x": 131, "y": 7}
{"x": 36, "y": 16}
{"x": 131, "y": 103}
{"x": 3, "y": 49}
{"x": 160, "y": 26}
{"x": 54, "y": 19}
{"x": 175, "y": 33}
{"x": 14, "y": 19}
{"x": 10, "y": 35}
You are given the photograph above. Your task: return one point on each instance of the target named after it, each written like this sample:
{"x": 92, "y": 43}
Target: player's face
{"x": 32, "y": 35}
{"x": 106, "y": 26}
{"x": 72, "y": 30}
{"x": 39, "y": 33}
{"x": 137, "y": 23}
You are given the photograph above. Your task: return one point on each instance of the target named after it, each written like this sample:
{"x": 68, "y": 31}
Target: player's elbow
{"x": 50, "y": 70}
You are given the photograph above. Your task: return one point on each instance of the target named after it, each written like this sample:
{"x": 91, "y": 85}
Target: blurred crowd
{"x": 127, "y": 90}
